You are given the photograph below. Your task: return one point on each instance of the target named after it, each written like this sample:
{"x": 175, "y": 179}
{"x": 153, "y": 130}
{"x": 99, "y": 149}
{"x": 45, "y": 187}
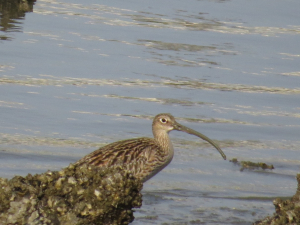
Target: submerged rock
{"x": 287, "y": 212}
{"x": 75, "y": 195}
{"x": 251, "y": 165}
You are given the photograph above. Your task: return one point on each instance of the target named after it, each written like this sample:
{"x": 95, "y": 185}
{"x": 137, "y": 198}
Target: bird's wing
{"x": 133, "y": 153}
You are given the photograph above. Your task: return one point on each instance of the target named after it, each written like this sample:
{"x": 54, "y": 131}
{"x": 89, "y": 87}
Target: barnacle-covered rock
{"x": 75, "y": 195}
{"x": 287, "y": 212}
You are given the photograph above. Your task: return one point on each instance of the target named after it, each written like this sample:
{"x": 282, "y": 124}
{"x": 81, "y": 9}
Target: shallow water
{"x": 76, "y": 75}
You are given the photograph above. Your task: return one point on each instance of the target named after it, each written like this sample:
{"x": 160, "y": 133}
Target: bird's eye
{"x": 163, "y": 120}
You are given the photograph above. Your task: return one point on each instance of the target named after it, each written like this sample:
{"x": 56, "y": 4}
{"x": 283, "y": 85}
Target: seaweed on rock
{"x": 287, "y": 212}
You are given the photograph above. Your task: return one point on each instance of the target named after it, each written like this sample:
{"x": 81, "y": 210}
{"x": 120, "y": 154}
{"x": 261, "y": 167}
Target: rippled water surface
{"x": 75, "y": 75}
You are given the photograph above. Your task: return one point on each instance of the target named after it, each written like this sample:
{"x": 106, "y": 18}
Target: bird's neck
{"x": 164, "y": 141}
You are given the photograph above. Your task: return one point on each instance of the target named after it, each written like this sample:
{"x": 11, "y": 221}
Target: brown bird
{"x": 144, "y": 157}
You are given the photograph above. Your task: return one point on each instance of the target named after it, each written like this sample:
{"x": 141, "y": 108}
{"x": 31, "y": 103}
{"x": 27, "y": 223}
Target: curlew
{"x": 144, "y": 157}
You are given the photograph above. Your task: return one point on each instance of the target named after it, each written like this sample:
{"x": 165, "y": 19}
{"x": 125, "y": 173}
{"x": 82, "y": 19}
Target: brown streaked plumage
{"x": 144, "y": 157}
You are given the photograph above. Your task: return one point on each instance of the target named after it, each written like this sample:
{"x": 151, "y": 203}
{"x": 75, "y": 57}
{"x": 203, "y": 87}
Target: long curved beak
{"x": 180, "y": 127}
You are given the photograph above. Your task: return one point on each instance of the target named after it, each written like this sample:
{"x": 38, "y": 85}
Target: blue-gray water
{"x": 75, "y": 75}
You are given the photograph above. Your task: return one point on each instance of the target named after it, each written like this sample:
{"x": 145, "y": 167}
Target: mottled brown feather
{"x": 139, "y": 155}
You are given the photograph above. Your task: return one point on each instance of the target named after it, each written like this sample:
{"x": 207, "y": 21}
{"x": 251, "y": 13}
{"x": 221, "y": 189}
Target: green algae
{"x": 251, "y": 165}
{"x": 74, "y": 195}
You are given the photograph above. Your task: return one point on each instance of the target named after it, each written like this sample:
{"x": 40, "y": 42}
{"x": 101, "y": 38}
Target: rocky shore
{"x": 91, "y": 195}
{"x": 74, "y": 195}
{"x": 287, "y": 211}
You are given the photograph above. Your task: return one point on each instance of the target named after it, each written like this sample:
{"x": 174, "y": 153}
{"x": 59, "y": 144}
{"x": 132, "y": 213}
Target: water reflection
{"x": 50, "y": 80}
{"x": 187, "y": 55}
{"x": 11, "y": 14}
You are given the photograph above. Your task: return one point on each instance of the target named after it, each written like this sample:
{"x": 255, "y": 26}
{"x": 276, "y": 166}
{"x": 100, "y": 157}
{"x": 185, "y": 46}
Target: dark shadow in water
{"x": 11, "y": 14}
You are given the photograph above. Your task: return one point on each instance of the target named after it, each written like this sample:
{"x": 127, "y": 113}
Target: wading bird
{"x": 144, "y": 157}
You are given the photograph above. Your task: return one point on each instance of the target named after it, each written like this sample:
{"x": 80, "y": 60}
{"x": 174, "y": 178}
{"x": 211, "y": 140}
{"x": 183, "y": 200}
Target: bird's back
{"x": 144, "y": 157}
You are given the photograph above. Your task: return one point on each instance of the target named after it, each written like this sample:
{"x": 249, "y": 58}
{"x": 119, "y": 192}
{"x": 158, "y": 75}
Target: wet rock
{"x": 287, "y": 212}
{"x": 74, "y": 195}
{"x": 251, "y": 165}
